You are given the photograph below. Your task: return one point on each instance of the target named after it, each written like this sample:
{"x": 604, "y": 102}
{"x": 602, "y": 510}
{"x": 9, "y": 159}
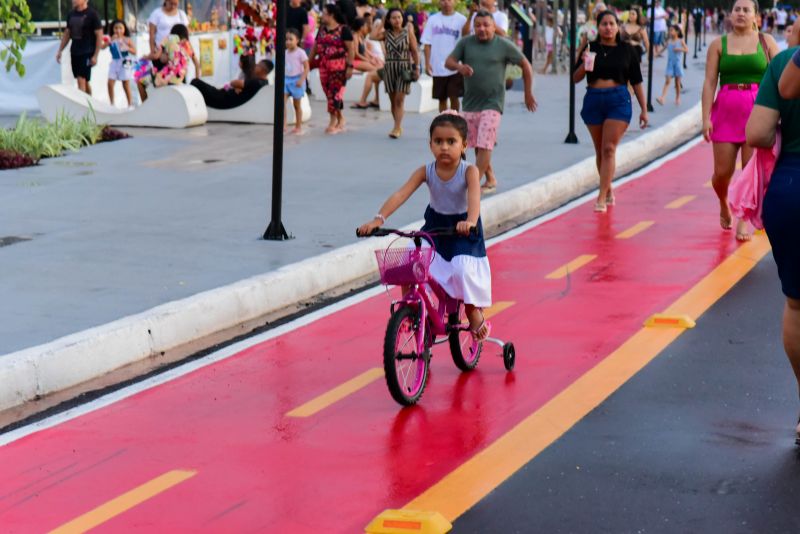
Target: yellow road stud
{"x": 670, "y": 321}
{"x": 409, "y": 521}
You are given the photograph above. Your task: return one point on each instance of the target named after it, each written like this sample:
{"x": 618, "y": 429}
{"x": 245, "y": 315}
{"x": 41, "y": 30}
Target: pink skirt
{"x": 730, "y": 112}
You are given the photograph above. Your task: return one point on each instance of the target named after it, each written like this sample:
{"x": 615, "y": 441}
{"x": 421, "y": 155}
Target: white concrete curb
{"x": 69, "y": 361}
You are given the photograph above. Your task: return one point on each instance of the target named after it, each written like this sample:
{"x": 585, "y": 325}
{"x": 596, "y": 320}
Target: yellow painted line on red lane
{"x": 497, "y": 307}
{"x": 336, "y": 394}
{"x": 341, "y": 391}
{"x": 637, "y": 228}
{"x": 571, "y": 267}
{"x": 473, "y": 480}
{"x": 124, "y": 502}
{"x": 680, "y": 202}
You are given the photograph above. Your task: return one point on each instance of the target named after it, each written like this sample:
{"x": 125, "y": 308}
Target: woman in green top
{"x": 738, "y": 60}
{"x": 778, "y": 101}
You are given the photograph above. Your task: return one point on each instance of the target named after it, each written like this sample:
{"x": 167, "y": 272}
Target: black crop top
{"x": 618, "y": 63}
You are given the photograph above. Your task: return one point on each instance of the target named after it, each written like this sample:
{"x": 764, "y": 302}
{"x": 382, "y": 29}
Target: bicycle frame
{"x": 432, "y": 317}
{"x": 417, "y": 297}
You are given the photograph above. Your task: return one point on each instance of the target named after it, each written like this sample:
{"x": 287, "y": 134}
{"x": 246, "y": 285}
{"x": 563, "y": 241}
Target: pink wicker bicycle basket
{"x": 404, "y": 266}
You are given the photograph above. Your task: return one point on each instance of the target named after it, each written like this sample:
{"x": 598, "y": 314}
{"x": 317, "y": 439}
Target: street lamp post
{"x": 275, "y": 231}
{"x": 685, "y": 31}
{"x": 573, "y": 14}
{"x": 555, "y": 37}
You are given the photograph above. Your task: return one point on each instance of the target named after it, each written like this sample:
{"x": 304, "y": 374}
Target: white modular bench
{"x": 173, "y": 106}
{"x": 352, "y": 91}
{"x": 420, "y": 100}
{"x": 259, "y": 110}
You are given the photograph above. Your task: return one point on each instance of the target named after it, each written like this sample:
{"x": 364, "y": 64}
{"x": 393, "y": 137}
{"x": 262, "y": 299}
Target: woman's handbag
{"x": 746, "y": 192}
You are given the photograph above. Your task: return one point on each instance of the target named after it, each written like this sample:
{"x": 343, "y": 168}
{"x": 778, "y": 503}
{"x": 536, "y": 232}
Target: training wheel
{"x": 509, "y": 356}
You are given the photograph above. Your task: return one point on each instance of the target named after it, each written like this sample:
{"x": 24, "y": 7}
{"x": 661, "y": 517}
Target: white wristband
{"x": 381, "y": 217}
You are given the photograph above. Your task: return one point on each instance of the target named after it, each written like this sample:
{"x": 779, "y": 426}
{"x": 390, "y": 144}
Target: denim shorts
{"x": 600, "y": 105}
{"x": 291, "y": 89}
{"x": 782, "y": 221}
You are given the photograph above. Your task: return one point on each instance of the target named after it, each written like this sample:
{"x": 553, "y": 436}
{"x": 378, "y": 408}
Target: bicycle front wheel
{"x": 406, "y": 371}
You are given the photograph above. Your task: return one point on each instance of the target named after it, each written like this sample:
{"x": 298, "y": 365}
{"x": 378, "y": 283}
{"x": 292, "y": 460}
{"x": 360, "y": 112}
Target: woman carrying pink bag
{"x": 736, "y": 61}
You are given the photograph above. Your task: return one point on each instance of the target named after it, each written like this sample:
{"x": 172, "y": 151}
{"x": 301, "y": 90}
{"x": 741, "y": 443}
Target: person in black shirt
{"x": 609, "y": 65}
{"x": 86, "y": 33}
{"x": 240, "y": 90}
{"x": 348, "y": 9}
{"x": 297, "y": 18}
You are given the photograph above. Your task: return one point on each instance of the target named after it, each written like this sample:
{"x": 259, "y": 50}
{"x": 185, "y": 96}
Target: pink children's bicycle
{"x": 425, "y": 316}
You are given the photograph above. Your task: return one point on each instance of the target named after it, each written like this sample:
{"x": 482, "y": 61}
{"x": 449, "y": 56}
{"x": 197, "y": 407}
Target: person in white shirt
{"x": 780, "y": 20}
{"x": 442, "y": 32}
{"x": 660, "y": 30}
{"x": 161, "y": 21}
{"x": 500, "y": 19}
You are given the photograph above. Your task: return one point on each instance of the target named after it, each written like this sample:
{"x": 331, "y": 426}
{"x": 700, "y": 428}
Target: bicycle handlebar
{"x": 438, "y": 232}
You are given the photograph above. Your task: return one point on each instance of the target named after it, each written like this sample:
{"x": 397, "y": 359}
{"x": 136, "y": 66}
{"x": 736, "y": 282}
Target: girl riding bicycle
{"x": 460, "y": 265}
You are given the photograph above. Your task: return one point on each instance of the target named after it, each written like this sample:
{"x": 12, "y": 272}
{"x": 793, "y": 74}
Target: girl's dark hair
{"x": 358, "y": 23}
{"x": 181, "y": 31}
{"x": 118, "y": 21}
{"x": 609, "y": 13}
{"x": 386, "y": 24}
{"x": 247, "y": 62}
{"x": 451, "y": 119}
{"x": 293, "y": 31}
{"x": 638, "y": 11}
{"x": 334, "y": 11}
{"x": 267, "y": 65}
{"x": 678, "y": 30}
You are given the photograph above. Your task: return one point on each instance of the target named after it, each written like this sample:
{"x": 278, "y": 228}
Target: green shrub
{"x": 40, "y": 139}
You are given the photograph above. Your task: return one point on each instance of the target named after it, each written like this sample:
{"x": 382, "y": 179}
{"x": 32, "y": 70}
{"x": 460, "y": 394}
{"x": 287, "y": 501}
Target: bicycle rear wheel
{"x": 466, "y": 351}
{"x": 406, "y": 371}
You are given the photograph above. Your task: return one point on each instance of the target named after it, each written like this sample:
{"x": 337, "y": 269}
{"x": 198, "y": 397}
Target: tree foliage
{"x": 15, "y": 25}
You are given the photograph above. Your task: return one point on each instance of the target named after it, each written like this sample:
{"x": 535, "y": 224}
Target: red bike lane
{"x": 216, "y": 450}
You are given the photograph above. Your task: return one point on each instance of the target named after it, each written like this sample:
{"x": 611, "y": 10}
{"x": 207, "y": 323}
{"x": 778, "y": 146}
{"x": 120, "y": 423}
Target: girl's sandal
{"x": 611, "y": 200}
{"x": 600, "y": 207}
{"x": 482, "y": 332}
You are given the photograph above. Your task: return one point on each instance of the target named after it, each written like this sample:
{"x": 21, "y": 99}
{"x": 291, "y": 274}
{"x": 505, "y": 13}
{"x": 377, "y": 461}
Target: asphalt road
{"x": 701, "y": 440}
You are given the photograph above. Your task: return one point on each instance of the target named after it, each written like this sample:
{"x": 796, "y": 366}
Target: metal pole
{"x": 685, "y": 33}
{"x": 650, "y": 56}
{"x": 705, "y": 14}
{"x": 573, "y": 14}
{"x": 555, "y": 37}
{"x": 275, "y": 231}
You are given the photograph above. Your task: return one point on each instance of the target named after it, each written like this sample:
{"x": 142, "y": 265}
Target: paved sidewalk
{"x": 122, "y": 227}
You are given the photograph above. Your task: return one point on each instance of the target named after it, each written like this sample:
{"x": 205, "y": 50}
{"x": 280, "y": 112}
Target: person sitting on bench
{"x": 237, "y": 92}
